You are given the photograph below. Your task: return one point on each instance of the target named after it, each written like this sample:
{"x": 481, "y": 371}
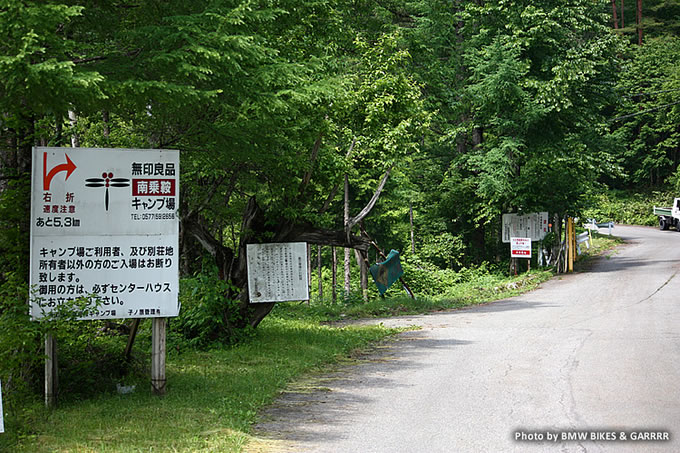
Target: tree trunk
{"x": 616, "y": 20}
{"x": 334, "y": 275}
{"x": 410, "y": 216}
{"x": 363, "y": 269}
{"x": 309, "y": 273}
{"x": 479, "y": 241}
{"x": 106, "y": 121}
{"x": 233, "y": 266}
{"x": 639, "y": 21}
{"x": 347, "y": 252}
{"x": 623, "y": 14}
{"x": 73, "y": 120}
{"x": 318, "y": 265}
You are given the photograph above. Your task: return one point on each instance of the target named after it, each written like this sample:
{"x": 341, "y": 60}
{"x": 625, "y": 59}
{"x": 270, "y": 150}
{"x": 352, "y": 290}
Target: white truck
{"x": 669, "y": 217}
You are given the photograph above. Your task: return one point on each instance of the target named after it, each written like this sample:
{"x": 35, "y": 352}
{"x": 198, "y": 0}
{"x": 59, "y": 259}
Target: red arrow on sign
{"x": 68, "y": 167}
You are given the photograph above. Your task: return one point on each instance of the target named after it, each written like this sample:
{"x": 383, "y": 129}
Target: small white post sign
{"x": 277, "y": 272}
{"x": 104, "y": 224}
{"x": 2, "y": 423}
{"x": 520, "y": 247}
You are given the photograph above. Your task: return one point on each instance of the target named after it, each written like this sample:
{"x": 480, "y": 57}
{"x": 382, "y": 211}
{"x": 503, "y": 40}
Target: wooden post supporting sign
{"x": 51, "y": 376}
{"x": 158, "y": 334}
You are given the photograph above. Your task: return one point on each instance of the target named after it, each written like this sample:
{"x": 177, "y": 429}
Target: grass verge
{"x": 214, "y": 396}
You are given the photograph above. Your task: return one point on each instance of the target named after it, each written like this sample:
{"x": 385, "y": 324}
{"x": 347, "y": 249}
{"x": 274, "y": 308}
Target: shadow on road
{"x": 616, "y": 264}
{"x": 507, "y": 305}
{"x": 328, "y": 399}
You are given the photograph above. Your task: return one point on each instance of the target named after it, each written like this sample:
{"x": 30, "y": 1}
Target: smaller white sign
{"x": 520, "y": 248}
{"x": 533, "y": 225}
{"x": 2, "y": 424}
{"x": 277, "y": 272}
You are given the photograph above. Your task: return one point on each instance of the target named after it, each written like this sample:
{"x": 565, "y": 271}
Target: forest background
{"x": 415, "y": 124}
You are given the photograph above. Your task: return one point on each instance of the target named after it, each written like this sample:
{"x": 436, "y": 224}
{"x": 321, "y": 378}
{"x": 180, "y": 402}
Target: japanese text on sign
{"x": 277, "y": 272}
{"x": 520, "y": 248}
{"x": 104, "y": 226}
{"x": 533, "y": 226}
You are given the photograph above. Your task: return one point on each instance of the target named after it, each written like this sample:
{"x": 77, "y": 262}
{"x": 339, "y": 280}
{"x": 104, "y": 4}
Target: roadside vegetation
{"x": 411, "y": 125}
{"x": 629, "y": 208}
{"x": 216, "y": 389}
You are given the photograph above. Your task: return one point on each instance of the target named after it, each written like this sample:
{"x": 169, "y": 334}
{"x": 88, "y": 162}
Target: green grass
{"x": 482, "y": 289}
{"x": 601, "y": 245}
{"x": 212, "y": 400}
{"x": 213, "y": 397}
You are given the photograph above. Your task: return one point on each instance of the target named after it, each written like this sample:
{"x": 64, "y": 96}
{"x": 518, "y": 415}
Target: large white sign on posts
{"x": 520, "y": 248}
{"x": 104, "y": 224}
{"x": 277, "y": 272}
{"x": 533, "y": 226}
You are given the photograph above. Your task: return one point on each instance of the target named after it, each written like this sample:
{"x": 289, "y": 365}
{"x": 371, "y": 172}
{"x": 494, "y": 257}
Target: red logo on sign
{"x": 153, "y": 187}
{"x": 69, "y": 167}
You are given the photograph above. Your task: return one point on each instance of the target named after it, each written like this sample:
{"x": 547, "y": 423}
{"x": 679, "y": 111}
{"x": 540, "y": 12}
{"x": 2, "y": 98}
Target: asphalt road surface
{"x": 585, "y": 360}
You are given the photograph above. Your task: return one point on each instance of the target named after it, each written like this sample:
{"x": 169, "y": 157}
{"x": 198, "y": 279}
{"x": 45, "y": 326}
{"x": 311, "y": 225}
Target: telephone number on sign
{"x": 57, "y": 222}
{"x": 153, "y": 216}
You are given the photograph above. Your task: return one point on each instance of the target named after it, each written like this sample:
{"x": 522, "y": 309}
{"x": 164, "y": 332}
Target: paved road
{"x": 595, "y": 352}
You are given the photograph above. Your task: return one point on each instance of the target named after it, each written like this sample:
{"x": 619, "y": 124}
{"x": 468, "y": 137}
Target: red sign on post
{"x": 520, "y": 247}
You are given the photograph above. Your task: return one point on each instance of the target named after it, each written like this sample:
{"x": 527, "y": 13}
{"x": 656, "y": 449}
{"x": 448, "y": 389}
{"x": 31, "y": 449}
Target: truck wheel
{"x": 663, "y": 225}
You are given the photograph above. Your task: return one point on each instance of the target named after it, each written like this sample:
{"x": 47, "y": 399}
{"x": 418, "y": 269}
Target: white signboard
{"x": 104, "y": 223}
{"x": 277, "y": 272}
{"x": 520, "y": 247}
{"x": 533, "y": 226}
{"x": 2, "y": 423}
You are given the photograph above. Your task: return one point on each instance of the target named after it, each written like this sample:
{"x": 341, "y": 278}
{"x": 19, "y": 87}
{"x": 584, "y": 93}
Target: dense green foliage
{"x": 215, "y": 393}
{"x": 465, "y": 109}
{"x": 213, "y": 397}
{"x": 630, "y": 208}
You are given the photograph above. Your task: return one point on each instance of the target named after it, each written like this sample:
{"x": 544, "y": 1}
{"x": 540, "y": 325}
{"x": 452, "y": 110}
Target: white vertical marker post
{"x": 2, "y": 423}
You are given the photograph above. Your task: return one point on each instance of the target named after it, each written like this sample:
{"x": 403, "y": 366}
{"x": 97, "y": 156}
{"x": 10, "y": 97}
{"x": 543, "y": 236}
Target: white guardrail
{"x": 586, "y": 235}
{"x": 593, "y": 225}
{"x": 581, "y": 238}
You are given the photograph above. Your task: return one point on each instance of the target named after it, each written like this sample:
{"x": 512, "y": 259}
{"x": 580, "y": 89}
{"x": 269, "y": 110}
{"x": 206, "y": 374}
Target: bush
{"x": 426, "y": 279}
{"x": 207, "y": 316}
{"x": 628, "y": 208}
{"x": 443, "y": 250}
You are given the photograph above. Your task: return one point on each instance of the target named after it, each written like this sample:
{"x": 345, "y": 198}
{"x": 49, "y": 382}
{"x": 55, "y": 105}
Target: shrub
{"x": 207, "y": 315}
{"x": 627, "y": 208}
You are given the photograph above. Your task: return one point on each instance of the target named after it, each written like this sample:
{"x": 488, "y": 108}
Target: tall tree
{"x": 523, "y": 90}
